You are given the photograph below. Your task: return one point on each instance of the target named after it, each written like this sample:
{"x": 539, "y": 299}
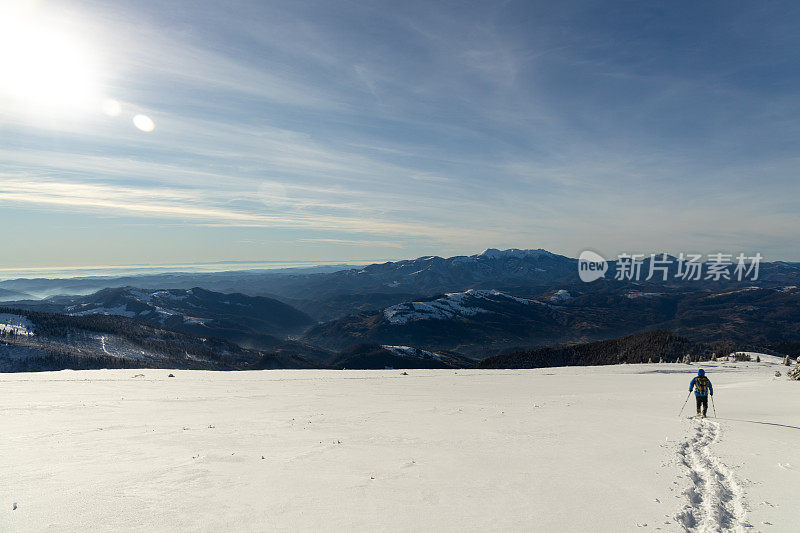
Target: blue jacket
{"x": 703, "y": 384}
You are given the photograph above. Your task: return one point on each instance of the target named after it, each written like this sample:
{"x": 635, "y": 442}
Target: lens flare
{"x": 144, "y": 123}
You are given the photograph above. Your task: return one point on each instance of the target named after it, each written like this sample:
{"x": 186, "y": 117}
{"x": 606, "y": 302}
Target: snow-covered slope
{"x": 476, "y": 323}
{"x": 189, "y": 307}
{"x": 559, "y": 449}
{"x": 408, "y": 351}
{"x": 468, "y": 303}
{"x": 45, "y": 341}
{"x": 252, "y": 321}
{"x": 15, "y": 325}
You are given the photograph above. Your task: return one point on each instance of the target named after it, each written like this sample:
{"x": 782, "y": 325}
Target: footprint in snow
{"x": 715, "y": 499}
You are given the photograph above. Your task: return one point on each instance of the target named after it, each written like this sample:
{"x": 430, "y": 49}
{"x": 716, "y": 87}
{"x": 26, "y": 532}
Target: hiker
{"x": 702, "y": 389}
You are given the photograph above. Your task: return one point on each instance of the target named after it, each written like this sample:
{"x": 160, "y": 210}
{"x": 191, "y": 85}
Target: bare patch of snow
{"x": 633, "y": 295}
{"x": 738, "y": 291}
{"x": 166, "y": 295}
{"x": 166, "y": 312}
{"x": 103, "y": 345}
{"x": 765, "y": 358}
{"x": 141, "y": 296}
{"x": 561, "y": 295}
{"x": 16, "y": 324}
{"x": 408, "y": 351}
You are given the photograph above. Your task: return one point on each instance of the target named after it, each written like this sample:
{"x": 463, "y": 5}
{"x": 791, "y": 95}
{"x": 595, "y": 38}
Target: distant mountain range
{"x": 337, "y": 292}
{"x": 479, "y": 323}
{"x": 491, "y": 269}
{"x": 8, "y": 295}
{"x": 332, "y": 294}
{"x": 462, "y": 308}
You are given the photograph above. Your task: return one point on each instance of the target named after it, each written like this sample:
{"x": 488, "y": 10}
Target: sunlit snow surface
{"x": 453, "y": 304}
{"x": 15, "y": 324}
{"x": 408, "y": 351}
{"x": 559, "y": 449}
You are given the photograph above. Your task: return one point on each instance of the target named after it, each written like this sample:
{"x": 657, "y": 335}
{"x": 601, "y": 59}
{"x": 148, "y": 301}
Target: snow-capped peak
{"x": 494, "y": 253}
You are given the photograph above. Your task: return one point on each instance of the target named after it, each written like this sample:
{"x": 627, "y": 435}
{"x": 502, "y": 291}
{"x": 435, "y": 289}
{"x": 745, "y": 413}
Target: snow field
{"x": 564, "y": 449}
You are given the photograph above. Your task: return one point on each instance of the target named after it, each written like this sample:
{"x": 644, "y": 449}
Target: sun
{"x": 43, "y": 68}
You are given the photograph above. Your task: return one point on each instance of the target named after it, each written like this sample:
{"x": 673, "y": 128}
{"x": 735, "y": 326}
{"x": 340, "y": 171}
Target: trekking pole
{"x": 712, "y": 406}
{"x": 684, "y": 404}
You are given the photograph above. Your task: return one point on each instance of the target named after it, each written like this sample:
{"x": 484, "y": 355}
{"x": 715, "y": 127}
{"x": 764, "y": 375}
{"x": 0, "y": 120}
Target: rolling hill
{"x": 377, "y": 357}
{"x": 250, "y": 321}
{"x": 35, "y": 341}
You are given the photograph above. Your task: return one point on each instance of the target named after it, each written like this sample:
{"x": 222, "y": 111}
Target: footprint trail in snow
{"x": 716, "y": 500}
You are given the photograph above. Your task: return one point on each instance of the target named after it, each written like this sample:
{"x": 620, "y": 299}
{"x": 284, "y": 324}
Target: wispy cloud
{"x": 165, "y": 203}
{"x": 350, "y": 242}
{"x": 423, "y": 126}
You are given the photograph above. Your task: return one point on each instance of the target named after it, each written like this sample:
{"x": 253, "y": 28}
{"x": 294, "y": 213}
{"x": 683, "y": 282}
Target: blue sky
{"x": 377, "y": 130}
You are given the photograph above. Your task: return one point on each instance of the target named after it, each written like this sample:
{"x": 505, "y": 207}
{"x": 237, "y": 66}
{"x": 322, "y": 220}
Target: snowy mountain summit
{"x": 516, "y": 253}
{"x": 452, "y": 305}
{"x": 433, "y": 274}
{"x": 131, "y": 303}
